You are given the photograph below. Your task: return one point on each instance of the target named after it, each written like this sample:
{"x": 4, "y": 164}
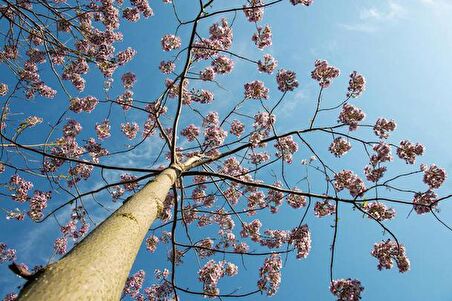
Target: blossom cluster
{"x": 389, "y": 250}
{"x": 324, "y": 73}
{"x": 347, "y": 179}
{"x": 211, "y": 273}
{"x": 6, "y": 254}
{"x": 346, "y": 289}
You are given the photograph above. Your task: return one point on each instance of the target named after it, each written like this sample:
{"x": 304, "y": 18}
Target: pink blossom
{"x": 263, "y": 37}
{"x": 85, "y": 104}
{"x": 383, "y": 126}
{"x": 6, "y": 254}
{"x": 190, "y": 132}
{"x": 38, "y": 203}
{"x": 128, "y": 79}
{"x": 259, "y": 158}
{"x": 256, "y": 90}
{"x": 131, "y": 14}
{"x": 125, "y": 100}
{"x": 351, "y": 116}
{"x": 20, "y": 188}
{"x": 373, "y": 173}
{"x": 167, "y": 67}
{"x": 3, "y": 89}
{"x": 214, "y": 136}
{"x": 300, "y": 238}
{"x": 130, "y": 129}
{"x": 356, "y": 85}
{"x": 383, "y": 153}
{"x": 237, "y": 128}
{"x": 339, "y": 146}
{"x": 268, "y": 64}
{"x": 434, "y": 176}
{"x": 208, "y": 74}
{"x": 129, "y": 181}
{"x": 302, "y": 2}
{"x": 151, "y": 243}
{"x": 347, "y": 179}
{"x": 222, "y": 64}
{"x": 324, "y": 208}
{"x": 134, "y": 284}
{"x": 251, "y": 230}
{"x": 126, "y": 56}
{"x": 408, "y": 151}
{"x": 286, "y": 80}
{"x": 379, "y": 211}
{"x": 387, "y": 251}
{"x": 202, "y": 96}
{"x": 296, "y": 200}
{"x": 103, "y": 129}
{"x": 253, "y": 12}
{"x": 286, "y": 147}
{"x": 211, "y": 273}
{"x": 324, "y": 73}
{"x": 143, "y": 7}
{"x": 72, "y": 128}
{"x": 60, "y": 245}
{"x": 170, "y": 42}
{"x": 117, "y": 192}
{"x": 274, "y": 238}
{"x": 346, "y": 289}
{"x": 425, "y": 202}
{"x": 270, "y": 275}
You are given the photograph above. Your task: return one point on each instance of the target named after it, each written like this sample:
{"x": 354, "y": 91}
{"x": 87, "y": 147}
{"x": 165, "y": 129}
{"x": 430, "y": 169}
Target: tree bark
{"x": 97, "y": 268}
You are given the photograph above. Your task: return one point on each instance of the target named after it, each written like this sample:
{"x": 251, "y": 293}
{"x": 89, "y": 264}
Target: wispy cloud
{"x": 372, "y": 19}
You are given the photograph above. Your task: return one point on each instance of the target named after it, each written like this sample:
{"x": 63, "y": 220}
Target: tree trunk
{"x": 97, "y": 268}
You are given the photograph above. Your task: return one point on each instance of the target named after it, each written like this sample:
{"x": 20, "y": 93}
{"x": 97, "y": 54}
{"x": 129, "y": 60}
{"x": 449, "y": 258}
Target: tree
{"x": 219, "y": 168}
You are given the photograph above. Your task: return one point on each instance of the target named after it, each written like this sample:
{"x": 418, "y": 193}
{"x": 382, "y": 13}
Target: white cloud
{"x": 371, "y": 19}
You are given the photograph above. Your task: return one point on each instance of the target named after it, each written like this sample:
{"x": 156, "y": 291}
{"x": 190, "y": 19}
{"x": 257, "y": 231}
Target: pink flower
{"x": 6, "y": 254}
{"x": 300, "y": 237}
{"x": 324, "y": 208}
{"x": 295, "y": 200}
{"x": 129, "y": 181}
{"x": 356, "y": 85}
{"x": 339, "y": 147}
{"x": 263, "y": 37}
{"x": 270, "y": 275}
{"x": 258, "y": 158}
{"x": 85, "y": 104}
{"x": 130, "y": 129}
{"x": 103, "y": 129}
{"x": 379, "y": 211}
{"x": 323, "y": 73}
{"x": 425, "y": 202}
{"x": 347, "y": 179}
{"x": 151, "y": 243}
{"x": 190, "y": 132}
{"x": 388, "y": 251}
{"x": 208, "y": 74}
{"x": 303, "y": 2}
{"x": 237, "y": 128}
{"x": 131, "y": 14}
{"x": 351, "y": 116}
{"x": 346, "y": 289}
{"x": 134, "y": 284}
{"x": 37, "y": 204}
{"x": 383, "y": 126}
{"x": 128, "y": 79}
{"x": 383, "y": 153}
{"x": 222, "y": 65}
{"x": 126, "y": 56}
{"x": 373, "y": 173}
{"x": 253, "y": 13}
{"x": 256, "y": 90}
{"x": 72, "y": 128}
{"x": 286, "y": 148}
{"x": 268, "y": 64}
{"x": 408, "y": 151}
{"x": 286, "y": 80}
{"x": 434, "y": 176}
{"x": 167, "y": 67}
{"x": 60, "y": 245}
{"x": 3, "y": 89}
{"x": 170, "y": 42}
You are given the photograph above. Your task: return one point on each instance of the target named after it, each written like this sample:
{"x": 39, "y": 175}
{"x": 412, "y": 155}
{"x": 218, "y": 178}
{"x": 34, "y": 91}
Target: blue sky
{"x": 402, "y": 47}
